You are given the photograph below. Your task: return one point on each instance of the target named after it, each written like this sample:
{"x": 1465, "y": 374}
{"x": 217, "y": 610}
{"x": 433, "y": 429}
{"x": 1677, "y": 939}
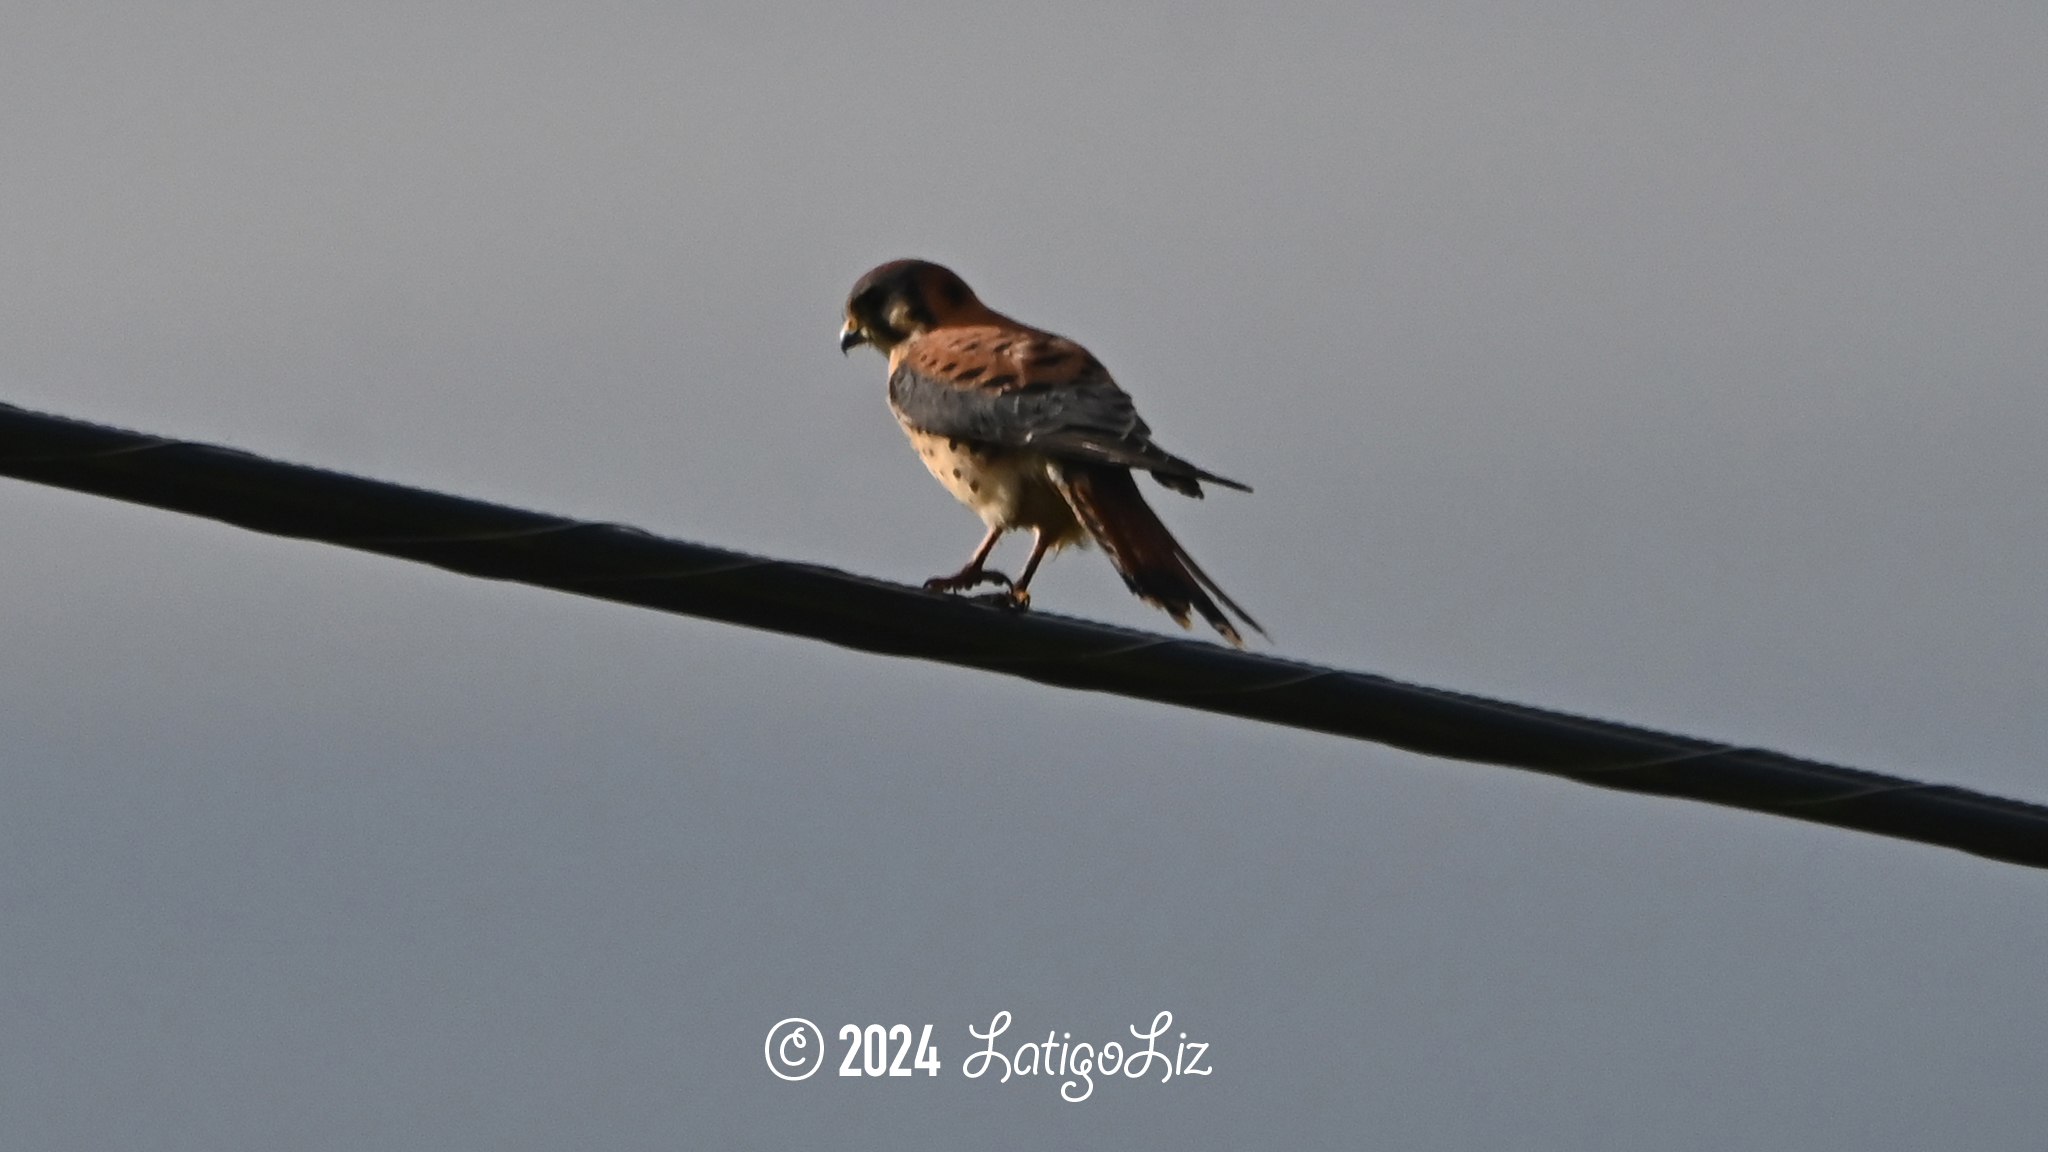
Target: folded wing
{"x": 1029, "y": 389}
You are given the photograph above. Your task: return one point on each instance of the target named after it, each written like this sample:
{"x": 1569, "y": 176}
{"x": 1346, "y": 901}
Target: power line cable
{"x": 627, "y": 565}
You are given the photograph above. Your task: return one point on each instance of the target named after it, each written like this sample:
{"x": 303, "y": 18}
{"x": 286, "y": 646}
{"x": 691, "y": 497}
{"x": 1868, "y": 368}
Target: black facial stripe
{"x": 919, "y": 310}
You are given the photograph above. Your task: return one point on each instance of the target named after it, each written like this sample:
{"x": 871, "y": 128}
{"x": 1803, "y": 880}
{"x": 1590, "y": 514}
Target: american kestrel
{"x": 1027, "y": 429}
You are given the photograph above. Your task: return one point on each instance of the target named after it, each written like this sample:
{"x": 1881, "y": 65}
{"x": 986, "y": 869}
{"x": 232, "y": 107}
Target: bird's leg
{"x": 973, "y": 574}
{"x": 1040, "y": 545}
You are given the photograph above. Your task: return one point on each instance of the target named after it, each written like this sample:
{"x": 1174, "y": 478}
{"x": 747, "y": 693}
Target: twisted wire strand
{"x": 628, "y": 565}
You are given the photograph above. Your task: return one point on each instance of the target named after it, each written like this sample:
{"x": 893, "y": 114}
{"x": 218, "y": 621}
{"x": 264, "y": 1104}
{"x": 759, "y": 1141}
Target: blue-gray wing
{"x": 1049, "y": 396}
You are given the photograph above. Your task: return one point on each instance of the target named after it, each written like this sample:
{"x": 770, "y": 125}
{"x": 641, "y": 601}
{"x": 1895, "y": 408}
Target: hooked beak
{"x": 851, "y": 337}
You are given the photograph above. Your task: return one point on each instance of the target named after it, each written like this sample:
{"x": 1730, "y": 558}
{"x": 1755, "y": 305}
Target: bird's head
{"x": 901, "y": 299}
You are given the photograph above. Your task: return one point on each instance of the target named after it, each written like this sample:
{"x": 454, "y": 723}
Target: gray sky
{"x": 1681, "y": 368}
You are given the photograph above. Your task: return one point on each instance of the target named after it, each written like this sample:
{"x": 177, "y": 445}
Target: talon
{"x": 1015, "y": 599}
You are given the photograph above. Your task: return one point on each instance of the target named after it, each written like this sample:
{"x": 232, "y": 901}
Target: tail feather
{"x": 1106, "y": 500}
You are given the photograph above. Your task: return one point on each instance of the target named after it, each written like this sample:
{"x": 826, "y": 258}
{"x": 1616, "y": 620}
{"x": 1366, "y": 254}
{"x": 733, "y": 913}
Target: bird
{"x": 1028, "y": 430}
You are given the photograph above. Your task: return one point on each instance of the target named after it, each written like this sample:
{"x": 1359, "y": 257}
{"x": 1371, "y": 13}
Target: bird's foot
{"x": 966, "y": 578}
{"x": 1015, "y": 599}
